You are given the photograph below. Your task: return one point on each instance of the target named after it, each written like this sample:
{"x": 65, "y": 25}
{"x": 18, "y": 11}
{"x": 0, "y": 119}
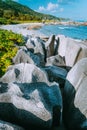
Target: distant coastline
{"x": 75, "y": 23}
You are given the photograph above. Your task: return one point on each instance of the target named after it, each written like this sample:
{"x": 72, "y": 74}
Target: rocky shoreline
{"x": 45, "y": 88}
{"x": 73, "y": 23}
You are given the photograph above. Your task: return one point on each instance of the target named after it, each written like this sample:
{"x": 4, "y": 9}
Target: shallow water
{"x": 78, "y": 32}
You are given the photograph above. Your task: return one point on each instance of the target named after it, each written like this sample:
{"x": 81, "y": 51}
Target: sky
{"x": 73, "y": 9}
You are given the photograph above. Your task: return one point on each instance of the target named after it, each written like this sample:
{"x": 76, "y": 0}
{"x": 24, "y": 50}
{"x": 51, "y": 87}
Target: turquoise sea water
{"x": 77, "y": 32}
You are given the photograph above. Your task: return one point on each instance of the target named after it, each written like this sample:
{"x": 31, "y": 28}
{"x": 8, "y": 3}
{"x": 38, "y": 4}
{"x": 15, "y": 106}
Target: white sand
{"x": 22, "y": 29}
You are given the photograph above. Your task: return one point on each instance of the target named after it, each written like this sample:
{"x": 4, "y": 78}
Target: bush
{"x": 3, "y": 21}
{"x": 8, "y": 50}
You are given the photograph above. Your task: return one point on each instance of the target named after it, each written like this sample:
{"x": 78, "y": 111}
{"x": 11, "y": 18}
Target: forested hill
{"x": 11, "y": 11}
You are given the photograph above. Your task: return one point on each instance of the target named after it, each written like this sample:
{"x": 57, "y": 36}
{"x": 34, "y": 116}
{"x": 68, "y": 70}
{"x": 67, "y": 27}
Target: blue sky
{"x": 73, "y": 9}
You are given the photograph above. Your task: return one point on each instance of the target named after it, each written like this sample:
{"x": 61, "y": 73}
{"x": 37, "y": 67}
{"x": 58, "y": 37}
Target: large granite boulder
{"x": 24, "y": 73}
{"x": 8, "y": 126}
{"x": 25, "y": 56}
{"x": 30, "y": 44}
{"x": 75, "y": 97}
{"x": 71, "y": 49}
{"x": 83, "y": 52}
{"x": 49, "y": 45}
{"x": 36, "y": 45}
{"x": 31, "y": 106}
{"x": 22, "y": 57}
{"x": 56, "y": 74}
{"x": 55, "y": 60}
{"x": 62, "y": 45}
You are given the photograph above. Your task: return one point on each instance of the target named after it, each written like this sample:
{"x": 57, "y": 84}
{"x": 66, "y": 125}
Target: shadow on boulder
{"x": 75, "y": 97}
{"x": 73, "y": 118}
{"x": 56, "y": 74}
{"x": 34, "y": 105}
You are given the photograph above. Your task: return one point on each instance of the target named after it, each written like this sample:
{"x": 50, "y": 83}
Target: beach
{"x": 45, "y": 30}
{"x": 24, "y": 29}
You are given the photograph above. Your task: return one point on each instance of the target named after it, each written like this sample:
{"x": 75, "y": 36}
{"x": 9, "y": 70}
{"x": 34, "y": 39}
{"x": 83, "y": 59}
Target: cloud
{"x": 50, "y": 7}
{"x": 41, "y": 8}
{"x": 61, "y": 9}
{"x": 67, "y": 1}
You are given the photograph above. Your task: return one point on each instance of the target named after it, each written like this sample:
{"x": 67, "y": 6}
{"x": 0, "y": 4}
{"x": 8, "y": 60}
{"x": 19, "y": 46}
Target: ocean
{"x": 77, "y": 32}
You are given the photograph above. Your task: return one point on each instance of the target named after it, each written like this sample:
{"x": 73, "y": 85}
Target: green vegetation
{"x": 8, "y": 48}
{"x": 12, "y": 12}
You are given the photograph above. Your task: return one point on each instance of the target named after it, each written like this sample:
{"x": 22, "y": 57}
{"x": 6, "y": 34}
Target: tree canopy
{"x": 13, "y": 11}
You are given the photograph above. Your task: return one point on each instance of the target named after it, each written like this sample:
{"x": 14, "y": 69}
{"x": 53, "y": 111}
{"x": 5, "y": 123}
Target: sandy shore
{"x": 25, "y": 29}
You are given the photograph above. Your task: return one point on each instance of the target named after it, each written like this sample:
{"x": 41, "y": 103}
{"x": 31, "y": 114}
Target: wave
{"x": 63, "y": 27}
{"x": 77, "y": 32}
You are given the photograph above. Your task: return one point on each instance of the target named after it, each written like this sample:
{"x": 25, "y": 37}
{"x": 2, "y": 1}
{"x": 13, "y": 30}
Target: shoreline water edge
{"x": 76, "y": 30}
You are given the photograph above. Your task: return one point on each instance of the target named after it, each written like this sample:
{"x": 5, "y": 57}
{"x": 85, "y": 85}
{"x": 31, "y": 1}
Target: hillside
{"x": 12, "y": 11}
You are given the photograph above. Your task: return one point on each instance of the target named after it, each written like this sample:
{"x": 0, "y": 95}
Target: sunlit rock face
{"x": 71, "y": 49}
{"x": 75, "y": 97}
{"x": 24, "y": 73}
{"x": 55, "y": 60}
{"x": 49, "y": 45}
{"x": 25, "y": 56}
{"x": 34, "y": 105}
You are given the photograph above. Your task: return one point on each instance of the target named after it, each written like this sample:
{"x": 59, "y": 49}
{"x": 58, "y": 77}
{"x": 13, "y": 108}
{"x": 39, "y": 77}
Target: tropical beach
{"x": 45, "y": 30}
{"x": 43, "y": 65}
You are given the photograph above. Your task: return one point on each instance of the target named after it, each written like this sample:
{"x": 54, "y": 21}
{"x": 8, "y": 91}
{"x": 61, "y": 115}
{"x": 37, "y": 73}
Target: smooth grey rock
{"x": 83, "y": 52}
{"x": 30, "y": 44}
{"x": 37, "y": 58}
{"x": 49, "y": 45}
{"x": 77, "y": 73}
{"x": 72, "y": 51}
{"x": 34, "y": 105}
{"x": 8, "y": 126}
{"x": 75, "y": 97}
{"x": 55, "y": 60}
{"x": 22, "y": 48}
{"x": 28, "y": 57}
{"x": 22, "y": 57}
{"x": 56, "y": 74}
{"x": 56, "y": 45}
{"x": 25, "y": 73}
{"x": 39, "y": 48}
{"x": 62, "y": 45}
{"x": 36, "y": 45}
